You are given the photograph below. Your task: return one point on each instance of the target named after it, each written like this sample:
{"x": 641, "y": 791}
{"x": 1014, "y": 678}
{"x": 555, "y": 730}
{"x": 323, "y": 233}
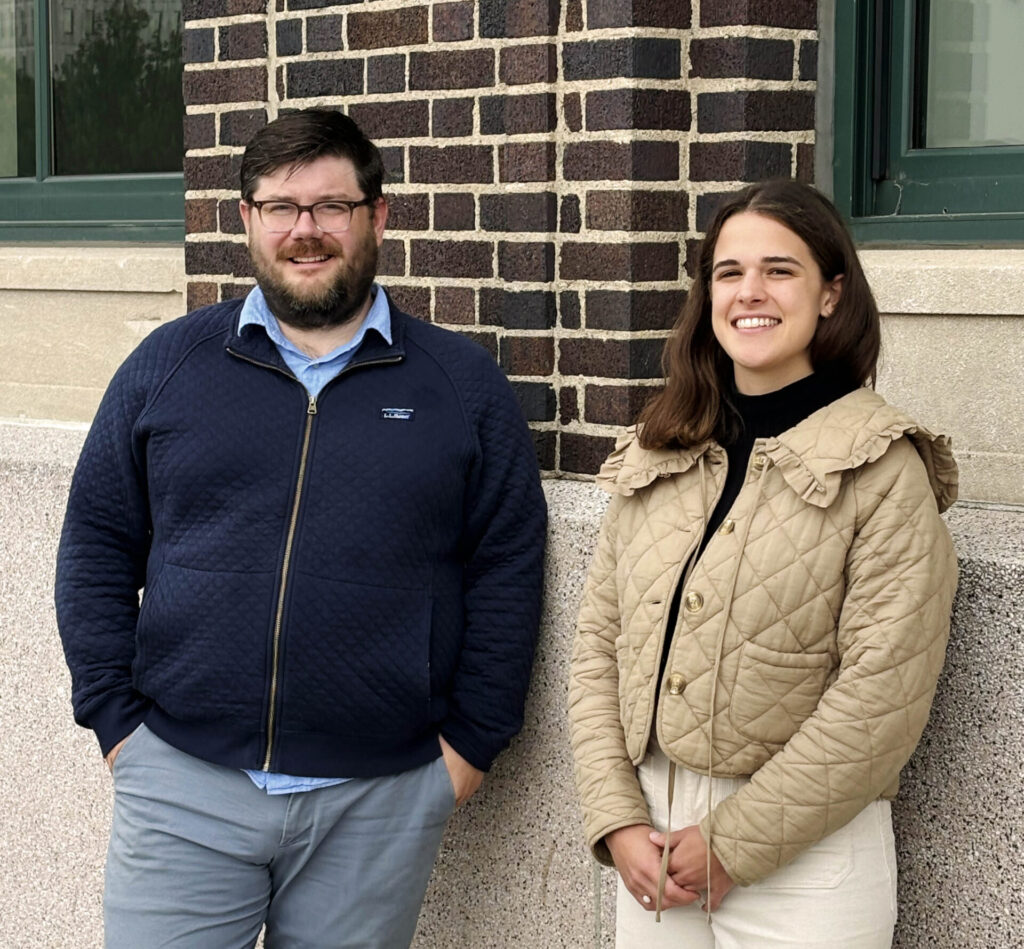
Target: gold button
{"x": 760, "y": 461}
{"x": 727, "y": 526}
{"x": 676, "y": 684}
{"x": 694, "y": 601}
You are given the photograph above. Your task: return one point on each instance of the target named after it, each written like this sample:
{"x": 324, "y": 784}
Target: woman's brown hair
{"x": 695, "y": 405}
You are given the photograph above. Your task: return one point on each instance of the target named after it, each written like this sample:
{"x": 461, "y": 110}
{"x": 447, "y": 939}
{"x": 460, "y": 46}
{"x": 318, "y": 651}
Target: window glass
{"x": 116, "y": 86}
{"x": 17, "y": 89}
{"x": 973, "y": 86}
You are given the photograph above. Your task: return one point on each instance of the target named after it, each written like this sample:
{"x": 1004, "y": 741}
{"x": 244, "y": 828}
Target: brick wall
{"x": 551, "y": 164}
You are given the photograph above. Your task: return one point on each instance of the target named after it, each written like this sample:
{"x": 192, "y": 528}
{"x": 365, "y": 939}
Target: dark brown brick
{"x": 229, "y": 217}
{"x": 235, "y": 84}
{"x": 793, "y": 14}
{"x": 200, "y": 215}
{"x": 234, "y": 291}
{"x": 396, "y": 118}
{"x": 408, "y": 212}
{"x": 741, "y": 56}
{"x": 569, "y": 309}
{"x": 517, "y": 115}
{"x": 671, "y": 14}
{"x": 211, "y": 172}
{"x": 573, "y": 16}
{"x": 455, "y": 305}
{"x": 454, "y": 212}
{"x": 200, "y": 294}
{"x": 313, "y": 4}
{"x": 805, "y": 162}
{"x": 452, "y": 259}
{"x": 707, "y": 204}
{"x": 211, "y": 9}
{"x": 456, "y": 164}
{"x": 392, "y": 259}
{"x": 633, "y": 309}
{"x": 528, "y": 261}
{"x": 569, "y": 221}
{"x": 757, "y": 111}
{"x": 518, "y": 212}
{"x": 545, "y": 444}
{"x": 384, "y": 29}
{"x": 385, "y": 74}
{"x": 513, "y": 18}
{"x": 412, "y": 300}
{"x": 615, "y": 405}
{"x": 611, "y": 358}
{"x": 809, "y": 60}
{"x": 238, "y": 128}
{"x": 243, "y": 41}
{"x": 452, "y": 69}
{"x": 453, "y": 22}
{"x": 289, "y": 37}
{"x": 530, "y": 161}
{"x": 568, "y": 405}
{"x": 324, "y": 77}
{"x": 217, "y": 257}
{"x": 637, "y": 210}
{"x": 531, "y": 63}
{"x": 279, "y": 82}
{"x": 537, "y": 400}
{"x": 638, "y": 109}
{"x": 323, "y": 34}
{"x": 573, "y": 111}
{"x": 583, "y": 454}
{"x": 452, "y": 118}
{"x": 520, "y": 310}
{"x": 636, "y": 261}
{"x": 635, "y": 57}
{"x": 527, "y": 355}
{"x": 200, "y": 130}
{"x": 198, "y": 46}
{"x": 612, "y": 161}
{"x": 692, "y": 257}
{"x": 739, "y": 160}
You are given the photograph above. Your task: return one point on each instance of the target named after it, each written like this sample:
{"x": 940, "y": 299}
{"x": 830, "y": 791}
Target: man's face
{"x": 310, "y": 278}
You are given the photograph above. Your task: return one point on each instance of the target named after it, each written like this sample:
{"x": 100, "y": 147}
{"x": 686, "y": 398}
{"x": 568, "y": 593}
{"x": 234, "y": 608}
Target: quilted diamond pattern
{"x": 827, "y": 608}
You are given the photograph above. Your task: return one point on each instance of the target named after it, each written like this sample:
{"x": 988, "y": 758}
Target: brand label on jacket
{"x": 404, "y": 415}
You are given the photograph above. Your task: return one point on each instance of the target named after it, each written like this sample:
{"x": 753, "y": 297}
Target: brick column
{"x": 551, "y": 165}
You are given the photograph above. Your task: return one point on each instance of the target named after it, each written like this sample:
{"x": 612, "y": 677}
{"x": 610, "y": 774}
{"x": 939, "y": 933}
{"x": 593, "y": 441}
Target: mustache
{"x": 310, "y": 248}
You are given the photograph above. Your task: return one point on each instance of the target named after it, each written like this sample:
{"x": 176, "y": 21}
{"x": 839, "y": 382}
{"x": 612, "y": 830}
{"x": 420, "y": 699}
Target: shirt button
{"x": 760, "y": 460}
{"x": 727, "y": 526}
{"x": 676, "y": 684}
{"x": 694, "y": 601}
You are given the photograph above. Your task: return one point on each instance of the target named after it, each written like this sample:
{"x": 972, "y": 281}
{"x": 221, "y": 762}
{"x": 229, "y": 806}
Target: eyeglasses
{"x": 278, "y": 217}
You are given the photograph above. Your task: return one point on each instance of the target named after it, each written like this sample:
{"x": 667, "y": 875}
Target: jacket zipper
{"x": 311, "y": 411}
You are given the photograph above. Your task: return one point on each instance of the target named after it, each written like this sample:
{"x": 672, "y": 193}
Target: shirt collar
{"x": 256, "y": 312}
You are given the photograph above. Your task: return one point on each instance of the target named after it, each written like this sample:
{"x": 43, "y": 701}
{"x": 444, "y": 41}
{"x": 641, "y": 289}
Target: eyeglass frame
{"x": 352, "y": 205}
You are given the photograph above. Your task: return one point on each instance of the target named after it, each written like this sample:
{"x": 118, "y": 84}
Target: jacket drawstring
{"x": 726, "y": 612}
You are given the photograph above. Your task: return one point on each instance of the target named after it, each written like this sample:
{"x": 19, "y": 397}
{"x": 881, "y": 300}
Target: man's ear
{"x": 379, "y": 210}
{"x": 245, "y": 209}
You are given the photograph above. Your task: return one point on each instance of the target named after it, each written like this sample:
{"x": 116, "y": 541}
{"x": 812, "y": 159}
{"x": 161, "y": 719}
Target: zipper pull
{"x": 311, "y": 410}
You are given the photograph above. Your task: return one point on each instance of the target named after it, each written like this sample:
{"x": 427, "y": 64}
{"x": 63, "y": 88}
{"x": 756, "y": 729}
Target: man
{"x": 335, "y": 514}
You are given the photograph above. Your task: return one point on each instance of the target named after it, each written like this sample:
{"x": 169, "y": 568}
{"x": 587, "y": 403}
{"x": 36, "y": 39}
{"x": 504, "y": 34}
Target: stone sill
{"x": 106, "y": 268}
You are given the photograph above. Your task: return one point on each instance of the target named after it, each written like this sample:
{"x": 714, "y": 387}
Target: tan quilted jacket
{"x": 814, "y": 623}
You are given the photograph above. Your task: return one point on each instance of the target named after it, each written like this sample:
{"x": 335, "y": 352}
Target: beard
{"x": 317, "y": 306}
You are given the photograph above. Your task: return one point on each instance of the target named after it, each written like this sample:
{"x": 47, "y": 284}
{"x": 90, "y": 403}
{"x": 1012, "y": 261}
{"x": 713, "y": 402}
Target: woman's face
{"x": 767, "y": 293}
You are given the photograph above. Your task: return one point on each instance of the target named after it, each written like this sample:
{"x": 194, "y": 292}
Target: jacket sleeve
{"x": 900, "y": 580}
{"x": 101, "y": 565}
{"x": 606, "y": 780}
{"x": 505, "y": 525}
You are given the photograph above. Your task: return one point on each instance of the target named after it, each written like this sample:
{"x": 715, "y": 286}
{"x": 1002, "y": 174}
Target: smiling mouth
{"x": 318, "y": 259}
{"x": 755, "y": 322}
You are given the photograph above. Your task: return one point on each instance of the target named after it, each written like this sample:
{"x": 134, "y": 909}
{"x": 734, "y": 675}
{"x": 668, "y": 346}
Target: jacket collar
{"x": 811, "y": 456}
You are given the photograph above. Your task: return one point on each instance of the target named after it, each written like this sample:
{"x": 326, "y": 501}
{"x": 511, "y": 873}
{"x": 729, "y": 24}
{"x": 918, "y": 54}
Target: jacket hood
{"x": 811, "y": 457}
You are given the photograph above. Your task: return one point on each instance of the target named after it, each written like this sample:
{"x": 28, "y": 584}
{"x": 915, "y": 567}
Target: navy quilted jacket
{"x": 328, "y": 584}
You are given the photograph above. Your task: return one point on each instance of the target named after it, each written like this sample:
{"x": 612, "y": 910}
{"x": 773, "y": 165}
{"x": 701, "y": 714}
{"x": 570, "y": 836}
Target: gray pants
{"x": 200, "y": 858}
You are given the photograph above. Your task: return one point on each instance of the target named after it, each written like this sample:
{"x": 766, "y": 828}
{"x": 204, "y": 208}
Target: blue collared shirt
{"x": 314, "y": 372}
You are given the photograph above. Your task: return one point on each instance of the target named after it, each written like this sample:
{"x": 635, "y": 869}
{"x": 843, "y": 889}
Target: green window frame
{"x": 888, "y": 187}
{"x": 103, "y": 207}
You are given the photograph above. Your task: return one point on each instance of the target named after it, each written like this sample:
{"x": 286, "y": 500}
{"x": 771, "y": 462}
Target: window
{"x": 91, "y": 115}
{"x": 929, "y": 128}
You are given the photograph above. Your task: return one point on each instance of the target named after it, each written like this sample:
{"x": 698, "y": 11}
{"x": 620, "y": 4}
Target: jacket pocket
{"x": 776, "y": 691}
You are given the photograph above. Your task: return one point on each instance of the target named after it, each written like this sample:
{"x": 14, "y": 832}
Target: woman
{"x": 767, "y": 611}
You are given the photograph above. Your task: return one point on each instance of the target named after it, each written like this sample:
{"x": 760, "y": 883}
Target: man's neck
{"x": 319, "y": 342}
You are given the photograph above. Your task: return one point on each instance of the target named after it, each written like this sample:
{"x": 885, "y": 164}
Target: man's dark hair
{"x": 298, "y": 138}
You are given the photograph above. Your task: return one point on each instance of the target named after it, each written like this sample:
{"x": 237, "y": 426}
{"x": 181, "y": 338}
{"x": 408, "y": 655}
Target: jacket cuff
{"x": 467, "y": 744}
{"x": 117, "y": 718}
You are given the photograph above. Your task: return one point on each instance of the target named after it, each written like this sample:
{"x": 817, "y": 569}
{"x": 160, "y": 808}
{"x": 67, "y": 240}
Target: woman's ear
{"x": 833, "y": 291}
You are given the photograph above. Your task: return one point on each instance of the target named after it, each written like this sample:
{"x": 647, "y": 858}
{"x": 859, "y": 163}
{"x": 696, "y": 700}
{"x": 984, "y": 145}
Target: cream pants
{"x": 839, "y": 894}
